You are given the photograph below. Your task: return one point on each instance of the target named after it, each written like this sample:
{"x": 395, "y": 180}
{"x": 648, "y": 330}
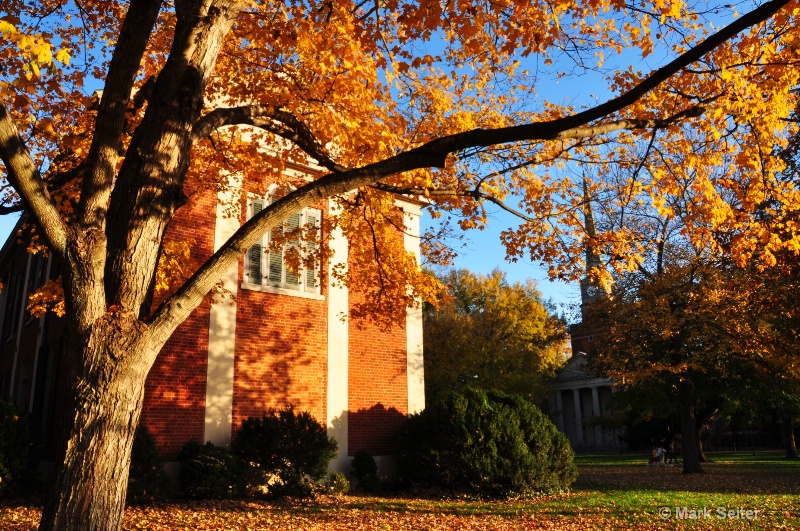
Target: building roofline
{"x": 12, "y": 237}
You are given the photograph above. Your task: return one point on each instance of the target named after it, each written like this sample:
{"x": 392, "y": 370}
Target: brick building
{"x": 284, "y": 339}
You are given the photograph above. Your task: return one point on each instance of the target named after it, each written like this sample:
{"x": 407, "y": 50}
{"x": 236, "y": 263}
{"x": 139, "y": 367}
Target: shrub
{"x": 290, "y": 451}
{"x": 336, "y": 483}
{"x": 147, "y": 481}
{"x": 211, "y": 472}
{"x": 365, "y": 470}
{"x": 15, "y": 443}
{"x": 486, "y": 442}
{"x": 364, "y": 465}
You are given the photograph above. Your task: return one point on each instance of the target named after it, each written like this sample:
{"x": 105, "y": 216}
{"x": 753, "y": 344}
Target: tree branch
{"x": 11, "y": 209}
{"x": 27, "y": 181}
{"x": 474, "y": 194}
{"x": 111, "y": 114}
{"x": 433, "y": 154}
{"x": 269, "y": 118}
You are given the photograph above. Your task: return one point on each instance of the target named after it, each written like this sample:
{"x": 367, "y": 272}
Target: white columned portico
{"x": 559, "y": 412}
{"x": 576, "y": 396}
{"x": 338, "y": 349}
{"x": 222, "y": 328}
{"x": 598, "y": 432}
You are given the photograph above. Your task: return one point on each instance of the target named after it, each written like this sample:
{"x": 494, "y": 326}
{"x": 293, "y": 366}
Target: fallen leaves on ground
{"x": 607, "y": 497}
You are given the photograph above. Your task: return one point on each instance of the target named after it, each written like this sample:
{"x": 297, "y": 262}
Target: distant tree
{"x": 669, "y": 328}
{"x": 770, "y": 329}
{"x": 489, "y": 334}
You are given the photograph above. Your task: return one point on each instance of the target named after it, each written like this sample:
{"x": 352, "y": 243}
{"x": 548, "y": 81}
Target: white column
{"x": 559, "y": 412}
{"x": 222, "y": 329}
{"x": 576, "y": 396}
{"x": 598, "y": 431}
{"x": 415, "y": 367}
{"x": 338, "y": 350}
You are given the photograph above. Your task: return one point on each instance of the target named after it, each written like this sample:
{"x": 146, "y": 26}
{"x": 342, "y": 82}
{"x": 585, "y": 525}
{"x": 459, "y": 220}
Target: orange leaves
{"x": 173, "y": 266}
{"x": 49, "y": 297}
{"x": 366, "y": 81}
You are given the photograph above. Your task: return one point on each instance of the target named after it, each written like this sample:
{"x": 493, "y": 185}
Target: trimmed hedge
{"x": 148, "y": 482}
{"x": 488, "y": 443}
{"x": 15, "y": 443}
{"x": 288, "y": 451}
{"x": 211, "y": 472}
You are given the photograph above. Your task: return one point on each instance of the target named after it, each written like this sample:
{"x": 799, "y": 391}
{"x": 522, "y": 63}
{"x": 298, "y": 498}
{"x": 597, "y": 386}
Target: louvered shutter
{"x": 312, "y": 220}
{"x": 275, "y": 259}
{"x": 256, "y": 252}
{"x": 292, "y": 279}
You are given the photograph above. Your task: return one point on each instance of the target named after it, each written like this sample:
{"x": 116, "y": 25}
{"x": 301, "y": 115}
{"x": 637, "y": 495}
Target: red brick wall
{"x": 378, "y": 387}
{"x": 174, "y": 409}
{"x": 281, "y": 354}
{"x": 281, "y": 351}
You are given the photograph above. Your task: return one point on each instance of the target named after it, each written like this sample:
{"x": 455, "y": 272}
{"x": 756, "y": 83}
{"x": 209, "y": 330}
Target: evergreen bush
{"x": 290, "y": 451}
{"x": 211, "y": 472}
{"x": 365, "y": 470}
{"x": 15, "y": 443}
{"x": 148, "y": 481}
{"x": 488, "y": 443}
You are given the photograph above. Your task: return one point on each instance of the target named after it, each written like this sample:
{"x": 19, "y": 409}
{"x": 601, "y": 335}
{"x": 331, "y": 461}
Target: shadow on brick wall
{"x": 374, "y": 429}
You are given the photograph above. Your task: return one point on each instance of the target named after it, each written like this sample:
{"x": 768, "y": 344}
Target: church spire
{"x": 591, "y": 288}
{"x": 592, "y": 257}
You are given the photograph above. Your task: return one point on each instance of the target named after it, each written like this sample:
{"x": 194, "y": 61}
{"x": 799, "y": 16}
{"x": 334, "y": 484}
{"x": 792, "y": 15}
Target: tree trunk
{"x": 787, "y": 427}
{"x": 91, "y": 481}
{"x": 701, "y": 454}
{"x": 689, "y": 438}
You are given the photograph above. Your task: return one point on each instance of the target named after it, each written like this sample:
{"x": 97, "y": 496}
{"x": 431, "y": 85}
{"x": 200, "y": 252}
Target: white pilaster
{"x": 576, "y": 396}
{"x": 222, "y": 330}
{"x": 20, "y": 320}
{"x": 338, "y": 349}
{"x": 39, "y": 339}
{"x": 598, "y": 431}
{"x": 415, "y": 368}
{"x": 559, "y": 412}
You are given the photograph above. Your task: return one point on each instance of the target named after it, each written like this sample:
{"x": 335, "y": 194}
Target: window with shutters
{"x": 267, "y": 267}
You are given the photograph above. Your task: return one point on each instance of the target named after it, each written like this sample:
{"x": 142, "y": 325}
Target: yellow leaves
{"x": 35, "y": 51}
{"x": 63, "y": 56}
{"x": 173, "y": 265}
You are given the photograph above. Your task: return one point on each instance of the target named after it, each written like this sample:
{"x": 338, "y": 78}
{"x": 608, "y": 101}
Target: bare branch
{"x": 11, "y": 209}
{"x": 474, "y": 194}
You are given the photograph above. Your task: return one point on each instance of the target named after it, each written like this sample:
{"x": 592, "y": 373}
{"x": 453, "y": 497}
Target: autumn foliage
{"x": 486, "y": 333}
{"x": 451, "y": 103}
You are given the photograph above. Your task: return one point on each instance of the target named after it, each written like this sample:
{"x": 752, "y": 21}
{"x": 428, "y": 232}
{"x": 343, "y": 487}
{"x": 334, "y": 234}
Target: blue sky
{"x": 483, "y": 252}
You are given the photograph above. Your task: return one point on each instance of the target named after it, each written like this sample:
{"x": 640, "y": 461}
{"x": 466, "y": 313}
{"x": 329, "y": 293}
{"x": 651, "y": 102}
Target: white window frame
{"x": 263, "y": 275}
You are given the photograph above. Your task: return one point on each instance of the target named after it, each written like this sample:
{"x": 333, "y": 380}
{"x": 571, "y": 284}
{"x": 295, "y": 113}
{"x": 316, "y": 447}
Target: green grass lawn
{"x": 634, "y": 493}
{"x": 612, "y": 492}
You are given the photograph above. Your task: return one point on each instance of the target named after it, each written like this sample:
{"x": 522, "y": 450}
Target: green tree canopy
{"x": 487, "y": 333}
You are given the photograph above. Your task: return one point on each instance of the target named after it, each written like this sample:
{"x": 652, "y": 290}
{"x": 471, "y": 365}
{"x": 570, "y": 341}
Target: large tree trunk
{"x": 689, "y": 438}
{"x": 787, "y": 429}
{"x": 91, "y": 481}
